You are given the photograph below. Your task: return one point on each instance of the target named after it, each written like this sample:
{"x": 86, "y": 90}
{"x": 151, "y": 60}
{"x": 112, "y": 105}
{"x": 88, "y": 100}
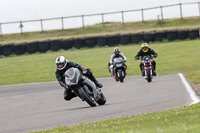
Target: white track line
{"x": 192, "y": 93}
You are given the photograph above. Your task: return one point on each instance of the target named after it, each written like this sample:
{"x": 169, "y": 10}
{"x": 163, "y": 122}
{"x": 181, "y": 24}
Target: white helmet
{"x": 61, "y": 62}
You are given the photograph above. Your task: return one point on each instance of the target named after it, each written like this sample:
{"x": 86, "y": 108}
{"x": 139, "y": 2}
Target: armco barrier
{"x": 55, "y": 45}
{"x": 136, "y": 38}
{"x": 113, "y": 40}
{"x": 172, "y": 35}
{"x": 79, "y": 43}
{"x": 149, "y": 38}
{"x": 90, "y": 42}
{"x": 19, "y": 49}
{"x": 67, "y": 44}
{"x": 125, "y": 39}
{"x": 7, "y": 50}
{"x": 102, "y": 41}
{"x": 160, "y": 36}
{"x": 32, "y": 47}
{"x": 183, "y": 34}
{"x": 43, "y": 46}
{"x": 193, "y": 34}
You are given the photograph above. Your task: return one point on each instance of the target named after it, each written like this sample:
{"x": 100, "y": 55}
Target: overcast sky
{"x": 16, "y": 10}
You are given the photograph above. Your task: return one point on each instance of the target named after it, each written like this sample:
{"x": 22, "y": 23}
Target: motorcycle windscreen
{"x": 71, "y": 76}
{"x": 118, "y": 60}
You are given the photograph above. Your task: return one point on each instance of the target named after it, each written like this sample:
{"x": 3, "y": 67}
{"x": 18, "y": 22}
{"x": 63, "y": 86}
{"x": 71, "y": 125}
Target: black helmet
{"x": 116, "y": 50}
{"x": 61, "y": 62}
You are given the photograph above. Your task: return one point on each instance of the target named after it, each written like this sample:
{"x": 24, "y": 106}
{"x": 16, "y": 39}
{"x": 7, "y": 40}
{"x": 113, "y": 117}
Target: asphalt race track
{"x": 38, "y": 106}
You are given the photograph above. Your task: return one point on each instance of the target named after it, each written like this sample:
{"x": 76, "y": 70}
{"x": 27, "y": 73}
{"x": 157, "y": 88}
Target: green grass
{"x": 173, "y": 58}
{"x": 99, "y": 30}
{"x": 180, "y": 120}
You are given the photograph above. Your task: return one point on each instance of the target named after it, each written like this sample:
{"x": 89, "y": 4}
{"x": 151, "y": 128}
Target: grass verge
{"x": 180, "y": 120}
{"x": 99, "y": 30}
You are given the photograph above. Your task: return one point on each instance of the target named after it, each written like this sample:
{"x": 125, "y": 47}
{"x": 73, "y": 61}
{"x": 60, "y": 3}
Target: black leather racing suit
{"x": 142, "y": 54}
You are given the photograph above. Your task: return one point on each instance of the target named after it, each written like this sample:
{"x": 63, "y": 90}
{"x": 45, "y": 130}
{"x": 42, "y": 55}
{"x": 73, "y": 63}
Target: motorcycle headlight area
{"x": 147, "y": 61}
{"x": 119, "y": 65}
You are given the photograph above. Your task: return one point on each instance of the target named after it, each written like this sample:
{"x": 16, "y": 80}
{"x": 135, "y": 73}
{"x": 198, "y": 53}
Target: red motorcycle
{"x": 148, "y": 70}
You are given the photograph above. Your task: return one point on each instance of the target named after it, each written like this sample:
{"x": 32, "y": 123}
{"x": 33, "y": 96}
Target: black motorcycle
{"x": 119, "y": 69}
{"x": 83, "y": 87}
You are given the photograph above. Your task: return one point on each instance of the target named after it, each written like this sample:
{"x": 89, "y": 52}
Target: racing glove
{"x": 84, "y": 71}
{"x": 136, "y": 58}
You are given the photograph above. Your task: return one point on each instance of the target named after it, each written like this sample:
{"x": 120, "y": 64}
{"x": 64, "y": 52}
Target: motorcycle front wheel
{"x": 121, "y": 76}
{"x": 148, "y": 75}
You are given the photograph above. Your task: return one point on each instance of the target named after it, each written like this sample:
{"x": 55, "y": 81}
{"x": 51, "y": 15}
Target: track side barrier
{"x": 20, "y": 49}
{"x": 67, "y": 44}
{"x": 7, "y": 50}
{"x": 89, "y": 42}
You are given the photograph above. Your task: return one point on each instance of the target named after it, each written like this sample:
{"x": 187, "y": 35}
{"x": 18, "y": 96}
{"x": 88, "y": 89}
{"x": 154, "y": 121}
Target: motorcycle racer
{"x": 115, "y": 54}
{"x": 144, "y": 51}
{"x": 62, "y": 65}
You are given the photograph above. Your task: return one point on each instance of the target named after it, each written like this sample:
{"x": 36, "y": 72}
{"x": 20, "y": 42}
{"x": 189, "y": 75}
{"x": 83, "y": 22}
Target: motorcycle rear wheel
{"x": 86, "y": 97}
{"x": 102, "y": 100}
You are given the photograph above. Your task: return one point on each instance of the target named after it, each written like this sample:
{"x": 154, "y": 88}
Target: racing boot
{"x": 154, "y": 73}
{"x": 98, "y": 84}
{"x": 143, "y": 73}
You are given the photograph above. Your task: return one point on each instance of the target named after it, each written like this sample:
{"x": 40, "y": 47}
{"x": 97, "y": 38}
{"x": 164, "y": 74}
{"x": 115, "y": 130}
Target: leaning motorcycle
{"x": 147, "y": 67}
{"x": 119, "y": 69}
{"x": 83, "y": 87}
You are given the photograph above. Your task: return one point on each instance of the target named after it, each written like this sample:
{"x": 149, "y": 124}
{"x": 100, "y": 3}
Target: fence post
{"x": 181, "y": 11}
{"x": 123, "y": 17}
{"x": 142, "y": 15}
{"x": 41, "y": 25}
{"x": 158, "y": 18}
{"x": 83, "y": 21}
{"x": 0, "y": 30}
{"x": 21, "y": 26}
{"x": 102, "y": 20}
{"x": 62, "y": 23}
{"x": 199, "y": 8}
{"x": 161, "y": 9}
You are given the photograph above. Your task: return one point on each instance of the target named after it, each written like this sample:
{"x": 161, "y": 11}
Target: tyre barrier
{"x": 90, "y": 42}
{"x": 7, "y": 50}
{"x": 0, "y": 49}
{"x": 102, "y": 41}
{"x": 79, "y": 43}
{"x": 43, "y": 46}
{"x": 160, "y": 36}
{"x": 125, "y": 39}
{"x": 136, "y": 38}
{"x": 32, "y": 47}
{"x": 194, "y": 34}
{"x": 113, "y": 40}
{"x": 183, "y": 34}
{"x": 149, "y": 38}
{"x": 67, "y": 44}
{"x": 55, "y": 45}
{"x": 20, "y": 49}
{"x": 172, "y": 35}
